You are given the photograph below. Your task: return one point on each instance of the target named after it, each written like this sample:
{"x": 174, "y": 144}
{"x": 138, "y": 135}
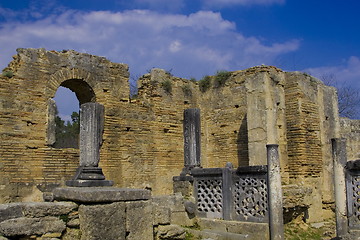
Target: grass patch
{"x": 303, "y": 231}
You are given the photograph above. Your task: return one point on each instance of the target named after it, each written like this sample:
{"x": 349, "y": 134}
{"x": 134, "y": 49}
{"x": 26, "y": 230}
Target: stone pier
{"x": 340, "y": 159}
{"x": 89, "y": 174}
{"x": 192, "y": 144}
{"x": 276, "y": 222}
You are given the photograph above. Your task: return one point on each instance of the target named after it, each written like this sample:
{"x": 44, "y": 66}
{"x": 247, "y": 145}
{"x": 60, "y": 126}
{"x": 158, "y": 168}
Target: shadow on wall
{"x": 242, "y": 144}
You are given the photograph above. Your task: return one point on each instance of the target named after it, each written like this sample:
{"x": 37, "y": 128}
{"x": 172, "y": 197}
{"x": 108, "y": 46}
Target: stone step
{"x": 208, "y": 234}
{"x": 250, "y": 229}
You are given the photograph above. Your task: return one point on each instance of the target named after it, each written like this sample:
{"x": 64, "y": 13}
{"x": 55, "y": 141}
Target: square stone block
{"x": 139, "y": 220}
{"x": 103, "y": 221}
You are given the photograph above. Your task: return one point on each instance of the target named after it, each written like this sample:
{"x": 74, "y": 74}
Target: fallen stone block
{"x": 171, "y": 232}
{"x": 31, "y": 226}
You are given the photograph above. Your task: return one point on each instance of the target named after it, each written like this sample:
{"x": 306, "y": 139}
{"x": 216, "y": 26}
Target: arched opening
{"x": 64, "y": 116}
{"x": 82, "y": 90}
{"x": 67, "y": 119}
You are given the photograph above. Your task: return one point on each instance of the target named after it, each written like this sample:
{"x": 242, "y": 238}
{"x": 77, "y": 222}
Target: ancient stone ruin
{"x": 165, "y": 150}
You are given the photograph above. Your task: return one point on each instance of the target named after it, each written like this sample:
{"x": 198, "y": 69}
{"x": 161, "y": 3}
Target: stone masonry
{"x": 143, "y": 137}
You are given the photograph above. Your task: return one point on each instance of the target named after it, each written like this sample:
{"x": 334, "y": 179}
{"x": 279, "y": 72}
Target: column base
{"x": 89, "y": 183}
{"x": 89, "y": 177}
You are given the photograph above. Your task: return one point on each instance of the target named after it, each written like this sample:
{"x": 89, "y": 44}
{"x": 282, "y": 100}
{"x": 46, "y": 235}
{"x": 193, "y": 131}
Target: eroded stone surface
{"x": 35, "y": 209}
{"x": 31, "y": 226}
{"x": 48, "y": 209}
{"x": 139, "y": 220}
{"x": 100, "y": 194}
{"x": 106, "y": 221}
{"x": 171, "y": 232}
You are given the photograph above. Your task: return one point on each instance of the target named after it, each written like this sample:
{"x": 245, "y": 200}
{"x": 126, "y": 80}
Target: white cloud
{"x": 192, "y": 45}
{"x": 347, "y": 73}
{"x": 175, "y": 46}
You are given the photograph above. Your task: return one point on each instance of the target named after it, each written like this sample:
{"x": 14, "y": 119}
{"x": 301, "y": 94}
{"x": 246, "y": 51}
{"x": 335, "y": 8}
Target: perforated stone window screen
{"x": 250, "y": 199}
{"x": 209, "y": 197}
{"x": 354, "y": 201}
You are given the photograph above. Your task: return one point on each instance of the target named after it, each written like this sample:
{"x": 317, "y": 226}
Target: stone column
{"x": 191, "y": 126}
{"x": 192, "y": 138}
{"x": 88, "y": 173}
{"x": 340, "y": 159}
{"x": 276, "y": 221}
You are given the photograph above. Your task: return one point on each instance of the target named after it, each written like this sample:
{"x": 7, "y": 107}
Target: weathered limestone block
{"x": 170, "y": 209}
{"x": 73, "y": 223}
{"x": 174, "y": 203}
{"x": 9, "y": 211}
{"x": 171, "y": 232}
{"x": 51, "y": 236}
{"x": 100, "y": 194}
{"x": 72, "y": 234}
{"x": 35, "y": 209}
{"x": 295, "y": 195}
{"x": 73, "y": 220}
{"x": 31, "y": 226}
{"x": 41, "y": 209}
{"x": 181, "y": 218}
{"x": 161, "y": 215}
{"x": 139, "y": 220}
{"x": 105, "y": 222}
{"x": 183, "y": 187}
{"x": 252, "y": 230}
{"x": 350, "y": 129}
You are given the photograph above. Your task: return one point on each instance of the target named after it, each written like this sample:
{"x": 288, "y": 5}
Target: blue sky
{"x": 192, "y": 38}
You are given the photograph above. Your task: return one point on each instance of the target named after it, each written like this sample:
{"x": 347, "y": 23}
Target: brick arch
{"x": 77, "y": 80}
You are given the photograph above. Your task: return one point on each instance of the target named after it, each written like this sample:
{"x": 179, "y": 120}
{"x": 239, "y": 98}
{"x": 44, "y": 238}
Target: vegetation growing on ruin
{"x": 220, "y": 78}
{"x": 190, "y": 236}
{"x": 167, "y": 86}
{"x": 205, "y": 83}
{"x": 303, "y": 231}
{"x": 187, "y": 90}
{"x": 8, "y": 74}
{"x": 192, "y": 79}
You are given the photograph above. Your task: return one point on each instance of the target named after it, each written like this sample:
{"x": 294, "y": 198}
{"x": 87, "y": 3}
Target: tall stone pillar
{"x": 276, "y": 221}
{"x": 89, "y": 174}
{"x": 340, "y": 159}
{"x": 192, "y": 132}
{"x": 191, "y": 125}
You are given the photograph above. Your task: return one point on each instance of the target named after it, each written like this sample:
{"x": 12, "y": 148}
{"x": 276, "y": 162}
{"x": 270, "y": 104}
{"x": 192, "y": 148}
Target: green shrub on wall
{"x": 167, "y": 86}
{"x": 220, "y": 78}
{"x": 205, "y": 83}
{"x": 8, "y": 74}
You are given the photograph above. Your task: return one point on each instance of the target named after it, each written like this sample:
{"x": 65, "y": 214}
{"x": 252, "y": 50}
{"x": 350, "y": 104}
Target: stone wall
{"x": 158, "y": 218}
{"x": 350, "y": 129}
{"x": 141, "y": 219}
{"x": 143, "y": 136}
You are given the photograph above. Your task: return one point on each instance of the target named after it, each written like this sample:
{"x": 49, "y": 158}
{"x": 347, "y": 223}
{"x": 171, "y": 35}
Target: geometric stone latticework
{"x": 251, "y": 198}
{"x": 209, "y": 197}
{"x": 355, "y": 201}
